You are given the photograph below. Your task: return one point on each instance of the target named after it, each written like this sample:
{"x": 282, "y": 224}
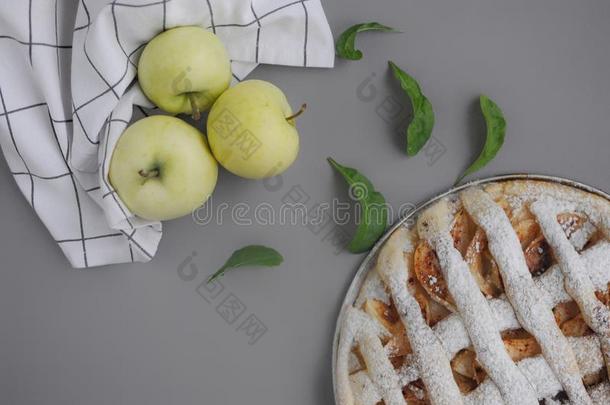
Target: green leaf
{"x": 374, "y": 219}
{"x": 496, "y": 129}
{"x": 252, "y": 255}
{"x": 420, "y": 127}
{"x": 346, "y": 44}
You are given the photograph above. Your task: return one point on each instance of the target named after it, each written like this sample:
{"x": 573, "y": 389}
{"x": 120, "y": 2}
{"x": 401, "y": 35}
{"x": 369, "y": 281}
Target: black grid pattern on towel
{"x": 8, "y": 110}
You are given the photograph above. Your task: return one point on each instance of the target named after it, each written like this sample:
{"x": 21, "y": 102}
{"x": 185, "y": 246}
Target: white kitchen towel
{"x": 68, "y": 90}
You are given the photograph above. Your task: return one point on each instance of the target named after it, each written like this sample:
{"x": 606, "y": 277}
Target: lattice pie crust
{"x": 498, "y": 294}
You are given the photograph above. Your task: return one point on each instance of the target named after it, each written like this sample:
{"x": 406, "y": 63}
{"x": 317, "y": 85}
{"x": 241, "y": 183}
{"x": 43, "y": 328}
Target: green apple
{"x": 162, "y": 168}
{"x": 184, "y": 69}
{"x": 252, "y": 131}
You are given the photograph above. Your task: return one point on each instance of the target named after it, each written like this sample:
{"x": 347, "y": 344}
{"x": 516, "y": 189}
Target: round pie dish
{"x": 496, "y": 291}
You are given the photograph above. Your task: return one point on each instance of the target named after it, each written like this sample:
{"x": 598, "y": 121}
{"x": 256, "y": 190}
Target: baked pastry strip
{"x": 360, "y": 328}
{"x": 434, "y": 225}
{"x": 578, "y": 284}
{"x": 432, "y": 362}
{"x": 531, "y": 304}
{"x": 381, "y": 370}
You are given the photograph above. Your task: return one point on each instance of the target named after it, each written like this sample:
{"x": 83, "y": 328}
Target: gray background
{"x": 139, "y": 334}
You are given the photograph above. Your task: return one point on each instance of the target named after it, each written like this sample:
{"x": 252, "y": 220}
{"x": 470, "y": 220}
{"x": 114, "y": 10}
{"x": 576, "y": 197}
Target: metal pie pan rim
{"x": 363, "y": 268}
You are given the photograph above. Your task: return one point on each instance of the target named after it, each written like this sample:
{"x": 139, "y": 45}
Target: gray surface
{"x": 139, "y": 334}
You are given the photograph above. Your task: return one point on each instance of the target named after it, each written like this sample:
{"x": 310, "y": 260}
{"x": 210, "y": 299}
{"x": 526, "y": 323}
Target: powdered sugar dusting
{"x": 454, "y": 337}
{"x": 356, "y": 323}
{"x": 531, "y": 305}
{"x": 536, "y": 370}
{"x": 364, "y": 389}
{"x": 596, "y": 266}
{"x": 540, "y": 374}
{"x": 432, "y": 363}
{"x": 372, "y": 288}
{"x": 578, "y": 284}
{"x": 527, "y": 304}
{"x": 433, "y": 225}
{"x": 600, "y": 394}
{"x": 380, "y": 369}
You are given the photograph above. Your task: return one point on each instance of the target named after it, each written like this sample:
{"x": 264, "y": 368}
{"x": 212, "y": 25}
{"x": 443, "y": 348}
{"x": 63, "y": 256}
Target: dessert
{"x": 496, "y": 294}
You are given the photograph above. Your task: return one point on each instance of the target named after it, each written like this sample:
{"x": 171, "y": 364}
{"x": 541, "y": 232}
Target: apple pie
{"x": 496, "y": 294}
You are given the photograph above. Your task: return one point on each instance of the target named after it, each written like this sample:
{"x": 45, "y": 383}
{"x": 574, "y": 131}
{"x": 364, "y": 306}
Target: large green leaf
{"x": 374, "y": 218}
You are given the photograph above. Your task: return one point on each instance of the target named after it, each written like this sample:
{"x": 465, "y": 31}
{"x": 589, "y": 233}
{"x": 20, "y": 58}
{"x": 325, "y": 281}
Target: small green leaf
{"x": 496, "y": 129}
{"x": 253, "y": 255}
{"x": 420, "y": 127}
{"x": 346, "y": 44}
{"x": 374, "y": 219}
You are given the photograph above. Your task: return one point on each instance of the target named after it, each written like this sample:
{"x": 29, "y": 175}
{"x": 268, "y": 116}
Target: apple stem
{"x": 147, "y": 174}
{"x": 196, "y": 113}
{"x": 295, "y": 115}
